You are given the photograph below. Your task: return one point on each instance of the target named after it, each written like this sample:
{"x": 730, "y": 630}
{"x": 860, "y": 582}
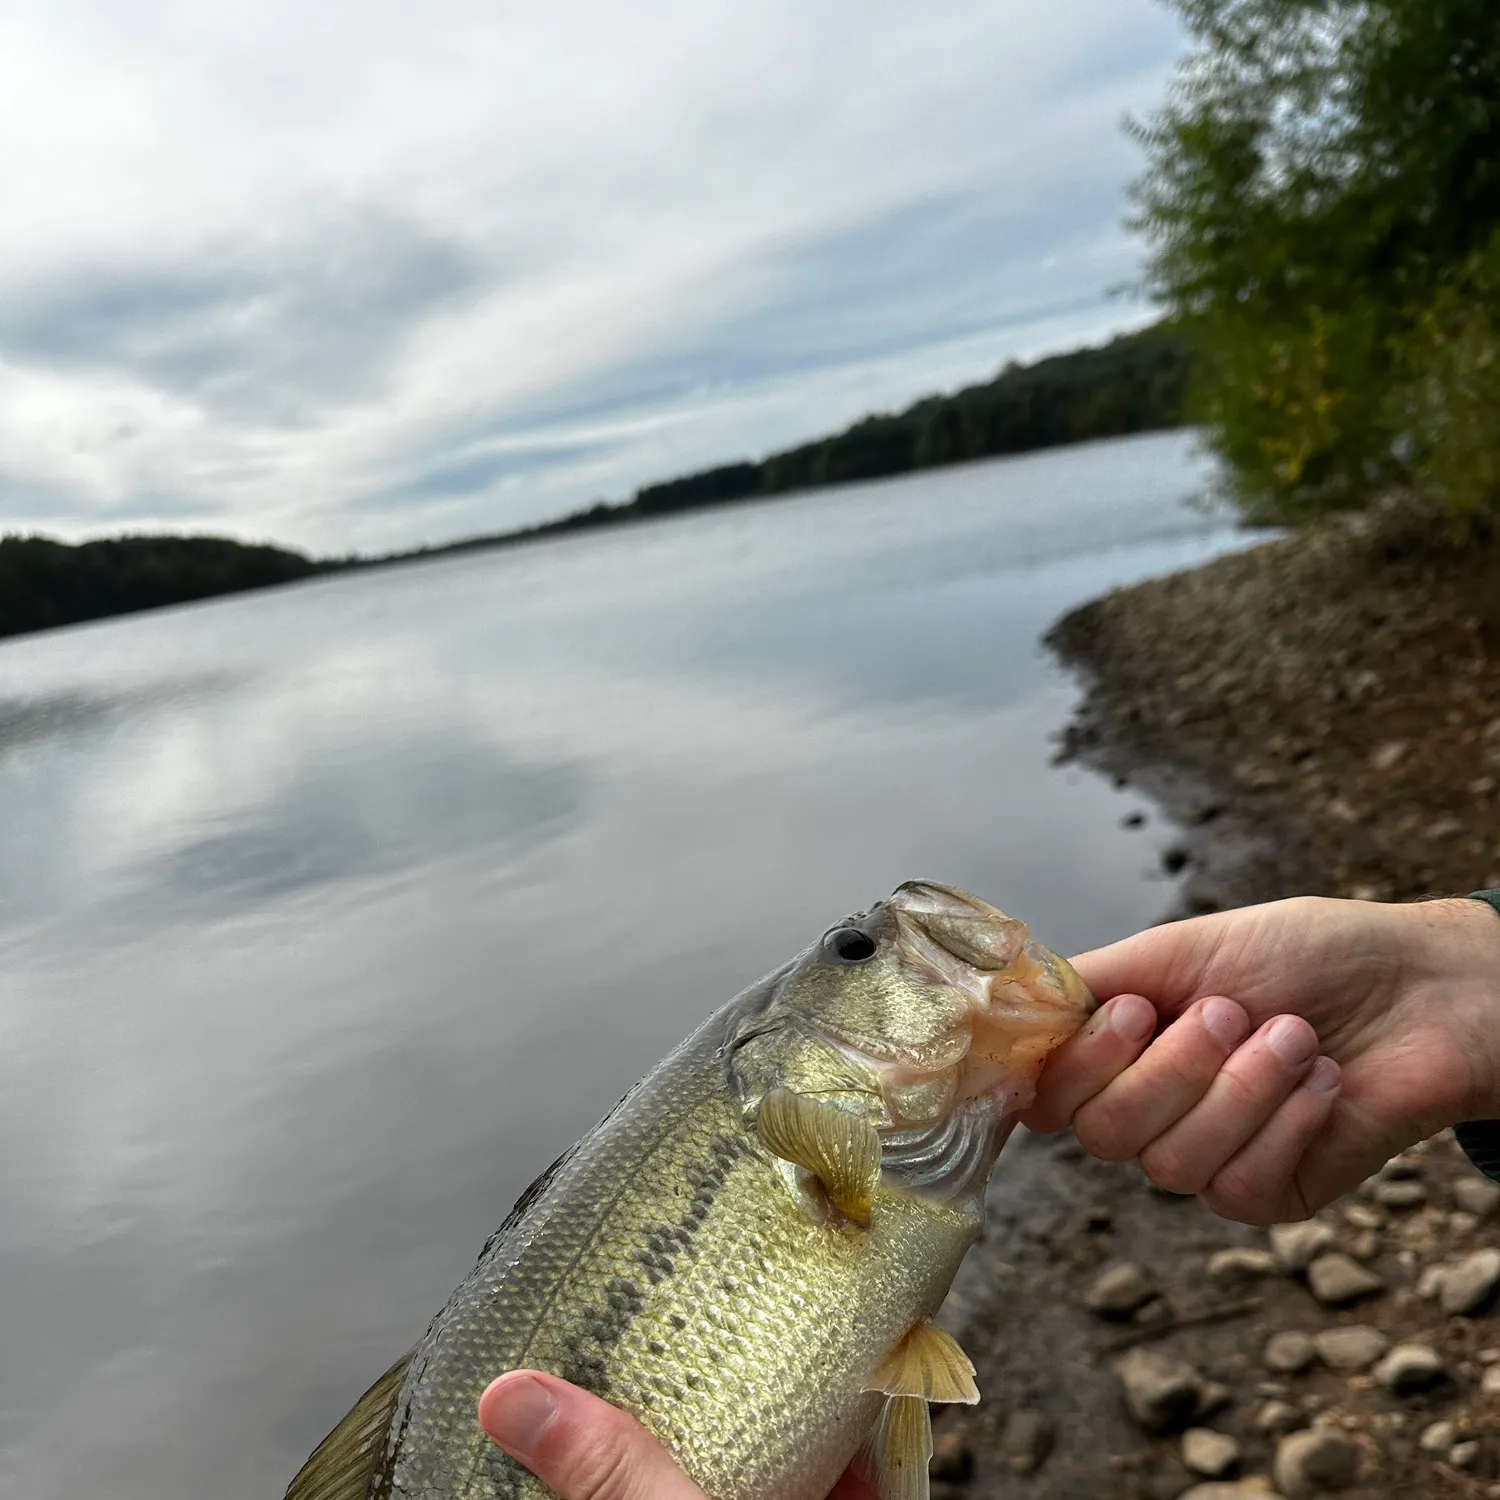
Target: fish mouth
{"x": 1024, "y": 1000}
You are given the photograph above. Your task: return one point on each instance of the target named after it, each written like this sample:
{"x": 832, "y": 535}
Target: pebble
{"x": 1437, "y": 1437}
{"x": 1354, "y": 1347}
{"x": 1362, "y": 1216}
{"x": 1312, "y": 1462}
{"x": 1399, "y": 1167}
{"x": 1335, "y": 1278}
{"x": 1410, "y": 1367}
{"x": 1470, "y": 1284}
{"x": 1289, "y": 1352}
{"x": 952, "y": 1458}
{"x": 1464, "y": 1455}
{"x": 1477, "y": 1195}
{"x": 1277, "y": 1417}
{"x": 1161, "y": 1393}
{"x": 1242, "y": 1261}
{"x": 1209, "y": 1453}
{"x": 1025, "y": 1441}
{"x": 1490, "y": 1381}
{"x": 1298, "y": 1245}
{"x": 1430, "y": 1282}
{"x": 1400, "y": 1194}
{"x": 1249, "y": 1489}
{"x": 1118, "y": 1290}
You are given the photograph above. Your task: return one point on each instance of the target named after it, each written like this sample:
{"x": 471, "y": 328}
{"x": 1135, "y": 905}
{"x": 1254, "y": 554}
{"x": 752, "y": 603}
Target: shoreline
{"x": 1318, "y": 714}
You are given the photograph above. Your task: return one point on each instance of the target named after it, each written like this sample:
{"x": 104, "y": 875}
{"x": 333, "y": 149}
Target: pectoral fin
{"x": 840, "y": 1149}
{"x": 343, "y": 1464}
{"x": 902, "y": 1449}
{"x": 927, "y": 1363}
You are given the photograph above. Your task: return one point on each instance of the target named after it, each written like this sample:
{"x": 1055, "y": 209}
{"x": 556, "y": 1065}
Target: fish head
{"x": 930, "y": 1004}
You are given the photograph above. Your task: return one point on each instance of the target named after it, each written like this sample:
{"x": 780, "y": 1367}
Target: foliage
{"x": 1320, "y": 202}
{"x": 45, "y": 583}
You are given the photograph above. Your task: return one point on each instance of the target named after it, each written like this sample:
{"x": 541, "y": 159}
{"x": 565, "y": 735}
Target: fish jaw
{"x": 1024, "y": 1000}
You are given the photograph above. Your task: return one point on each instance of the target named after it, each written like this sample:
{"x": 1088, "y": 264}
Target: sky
{"x": 356, "y": 276}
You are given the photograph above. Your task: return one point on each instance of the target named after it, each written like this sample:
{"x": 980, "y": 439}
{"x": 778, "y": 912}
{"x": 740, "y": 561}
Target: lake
{"x": 330, "y": 915}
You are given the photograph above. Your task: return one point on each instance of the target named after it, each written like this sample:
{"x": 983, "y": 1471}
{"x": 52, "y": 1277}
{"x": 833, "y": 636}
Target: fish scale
{"x": 731, "y": 1284}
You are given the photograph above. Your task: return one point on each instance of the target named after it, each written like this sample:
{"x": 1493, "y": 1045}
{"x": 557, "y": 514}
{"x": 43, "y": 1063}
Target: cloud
{"x": 368, "y": 275}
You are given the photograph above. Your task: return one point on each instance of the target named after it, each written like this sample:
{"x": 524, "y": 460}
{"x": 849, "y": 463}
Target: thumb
{"x": 1166, "y": 964}
{"x": 576, "y": 1444}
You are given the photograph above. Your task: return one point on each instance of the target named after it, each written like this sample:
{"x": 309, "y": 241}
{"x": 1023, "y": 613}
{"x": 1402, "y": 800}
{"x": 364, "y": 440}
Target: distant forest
{"x": 1136, "y": 383}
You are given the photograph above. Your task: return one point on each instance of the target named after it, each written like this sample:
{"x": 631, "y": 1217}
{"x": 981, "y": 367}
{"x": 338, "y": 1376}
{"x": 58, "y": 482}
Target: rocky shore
{"x": 1318, "y": 714}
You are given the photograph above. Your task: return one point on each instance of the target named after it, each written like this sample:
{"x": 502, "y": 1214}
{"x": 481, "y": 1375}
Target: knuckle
{"x": 1236, "y": 1194}
{"x": 1170, "y": 1170}
{"x": 1097, "y": 1132}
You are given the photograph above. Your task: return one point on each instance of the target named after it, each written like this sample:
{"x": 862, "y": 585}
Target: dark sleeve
{"x": 1480, "y": 1139}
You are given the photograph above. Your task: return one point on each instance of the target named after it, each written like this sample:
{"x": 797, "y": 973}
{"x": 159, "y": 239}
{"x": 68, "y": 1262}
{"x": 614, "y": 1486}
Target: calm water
{"x": 329, "y": 916}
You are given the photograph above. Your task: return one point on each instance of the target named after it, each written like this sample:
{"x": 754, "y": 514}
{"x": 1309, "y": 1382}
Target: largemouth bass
{"x": 747, "y": 1253}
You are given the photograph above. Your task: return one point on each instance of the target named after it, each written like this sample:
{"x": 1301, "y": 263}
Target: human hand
{"x": 586, "y": 1449}
{"x": 1405, "y": 999}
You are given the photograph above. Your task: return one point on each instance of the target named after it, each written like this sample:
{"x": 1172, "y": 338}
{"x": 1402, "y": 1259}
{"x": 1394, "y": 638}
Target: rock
{"x": 1399, "y": 1167}
{"x": 1313, "y": 1462}
{"x": 1461, "y": 1225}
{"x": 1336, "y": 1278}
{"x": 1209, "y": 1453}
{"x": 1242, "y": 1261}
{"x": 1161, "y": 1393}
{"x": 1221, "y": 1490}
{"x": 1025, "y": 1441}
{"x": 1362, "y": 1216}
{"x": 1401, "y": 1194}
{"x": 1430, "y": 1282}
{"x": 1288, "y": 1352}
{"x": 1489, "y": 1382}
{"x": 1354, "y": 1347}
{"x": 1278, "y": 1417}
{"x": 1365, "y": 1245}
{"x": 952, "y": 1458}
{"x": 1464, "y": 1455}
{"x": 1212, "y": 1395}
{"x": 1410, "y": 1367}
{"x": 1437, "y": 1437}
{"x": 1469, "y": 1285}
{"x": 1388, "y": 754}
{"x": 1118, "y": 1290}
{"x": 1298, "y": 1245}
{"x": 1477, "y": 1195}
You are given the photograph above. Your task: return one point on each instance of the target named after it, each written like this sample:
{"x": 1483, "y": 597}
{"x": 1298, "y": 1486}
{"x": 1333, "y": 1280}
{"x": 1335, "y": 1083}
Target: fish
{"x": 748, "y": 1252}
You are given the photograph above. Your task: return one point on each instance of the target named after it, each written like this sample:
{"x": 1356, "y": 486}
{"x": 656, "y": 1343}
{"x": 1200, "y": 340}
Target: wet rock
{"x": 1026, "y": 1441}
{"x": 1477, "y": 1195}
{"x": 1209, "y": 1453}
{"x": 1288, "y": 1352}
{"x": 1242, "y": 1262}
{"x": 1278, "y": 1417}
{"x": 952, "y": 1458}
{"x": 1470, "y": 1284}
{"x": 1118, "y": 1290}
{"x": 1489, "y": 1382}
{"x": 1401, "y": 1194}
{"x": 1410, "y": 1367}
{"x": 1437, "y": 1437}
{"x": 1161, "y": 1393}
{"x": 1354, "y": 1347}
{"x": 1297, "y": 1245}
{"x": 1336, "y": 1279}
{"x": 1313, "y": 1462}
{"x": 1464, "y": 1455}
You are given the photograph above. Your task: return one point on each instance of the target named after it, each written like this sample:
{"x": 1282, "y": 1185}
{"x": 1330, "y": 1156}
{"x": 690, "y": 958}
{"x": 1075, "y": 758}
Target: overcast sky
{"x": 362, "y": 275}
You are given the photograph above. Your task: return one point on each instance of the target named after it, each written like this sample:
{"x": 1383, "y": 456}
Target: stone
{"x": 1362, "y": 1216}
{"x": 1242, "y": 1261}
{"x": 1437, "y": 1437}
{"x": 1470, "y": 1284}
{"x": 1209, "y": 1453}
{"x": 952, "y": 1458}
{"x": 1399, "y": 1167}
{"x": 1430, "y": 1282}
{"x": 1336, "y": 1278}
{"x": 1288, "y": 1352}
{"x": 1401, "y": 1194}
{"x": 1278, "y": 1417}
{"x": 1026, "y": 1440}
{"x": 1161, "y": 1393}
{"x": 1118, "y": 1290}
{"x": 1489, "y": 1382}
{"x": 1298, "y": 1245}
{"x": 1464, "y": 1455}
{"x": 1410, "y": 1367}
{"x": 1477, "y": 1195}
{"x": 1354, "y": 1347}
{"x": 1219, "y": 1489}
{"x": 1461, "y": 1225}
{"x": 1387, "y": 755}
{"x": 1365, "y": 1245}
{"x": 1311, "y": 1463}
{"x": 1212, "y": 1395}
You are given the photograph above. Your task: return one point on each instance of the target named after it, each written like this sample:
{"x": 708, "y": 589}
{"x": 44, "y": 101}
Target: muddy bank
{"x": 1319, "y": 714}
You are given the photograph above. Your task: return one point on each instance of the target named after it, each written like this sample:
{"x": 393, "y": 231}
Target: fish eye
{"x": 850, "y": 944}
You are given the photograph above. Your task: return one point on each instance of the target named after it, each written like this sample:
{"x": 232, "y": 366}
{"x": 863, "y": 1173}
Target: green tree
{"x": 1321, "y": 204}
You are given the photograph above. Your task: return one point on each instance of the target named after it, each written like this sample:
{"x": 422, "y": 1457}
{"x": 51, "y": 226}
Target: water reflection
{"x": 330, "y": 915}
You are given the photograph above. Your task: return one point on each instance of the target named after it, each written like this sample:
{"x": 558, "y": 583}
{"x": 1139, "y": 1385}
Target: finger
{"x": 1115, "y": 1036}
{"x": 1242, "y": 1097}
{"x": 1262, "y": 1182}
{"x": 1167, "y": 963}
{"x": 1172, "y": 1075}
{"x": 576, "y": 1444}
